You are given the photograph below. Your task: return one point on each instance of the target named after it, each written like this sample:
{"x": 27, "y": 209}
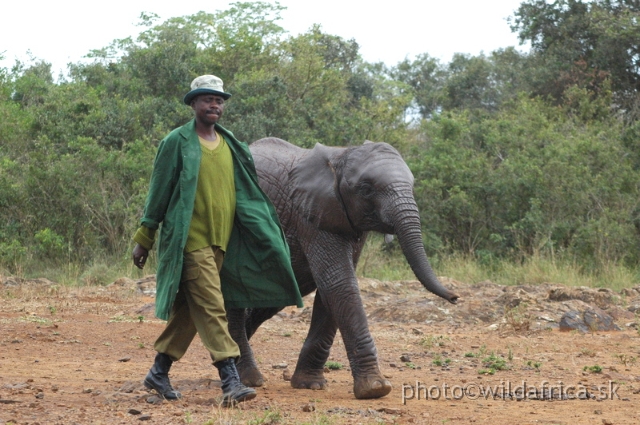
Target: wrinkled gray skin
{"x": 327, "y": 200}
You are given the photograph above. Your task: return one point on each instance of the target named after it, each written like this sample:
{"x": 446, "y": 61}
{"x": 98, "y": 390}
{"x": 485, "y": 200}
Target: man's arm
{"x": 164, "y": 177}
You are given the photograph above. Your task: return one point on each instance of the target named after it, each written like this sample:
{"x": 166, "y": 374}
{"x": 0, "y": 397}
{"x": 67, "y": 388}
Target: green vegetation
{"x": 626, "y": 360}
{"x": 333, "y": 365}
{"x": 535, "y": 365}
{"x": 526, "y": 164}
{"x": 270, "y": 417}
{"x": 431, "y": 341}
{"x": 481, "y": 352}
{"x": 517, "y": 318}
{"x": 492, "y": 364}
{"x": 593, "y": 369}
{"x": 439, "y": 361}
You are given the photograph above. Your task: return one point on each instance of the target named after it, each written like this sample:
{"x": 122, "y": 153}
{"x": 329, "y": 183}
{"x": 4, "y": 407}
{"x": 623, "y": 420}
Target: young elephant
{"x": 327, "y": 199}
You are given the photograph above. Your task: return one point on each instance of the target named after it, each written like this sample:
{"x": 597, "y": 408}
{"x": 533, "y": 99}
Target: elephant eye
{"x": 365, "y": 189}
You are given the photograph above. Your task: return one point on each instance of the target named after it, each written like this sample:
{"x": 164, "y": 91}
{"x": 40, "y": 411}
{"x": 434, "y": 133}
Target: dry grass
{"x": 382, "y": 263}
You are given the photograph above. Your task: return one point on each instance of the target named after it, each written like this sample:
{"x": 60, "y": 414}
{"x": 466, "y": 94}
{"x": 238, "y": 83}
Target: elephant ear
{"x": 315, "y": 190}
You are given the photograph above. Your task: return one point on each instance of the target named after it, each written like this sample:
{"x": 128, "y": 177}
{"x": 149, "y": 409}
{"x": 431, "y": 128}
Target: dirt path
{"x": 77, "y": 356}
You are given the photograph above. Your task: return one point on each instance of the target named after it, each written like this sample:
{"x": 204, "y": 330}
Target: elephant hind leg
{"x": 309, "y": 371}
{"x": 256, "y": 317}
{"x": 250, "y": 375}
{"x": 247, "y": 368}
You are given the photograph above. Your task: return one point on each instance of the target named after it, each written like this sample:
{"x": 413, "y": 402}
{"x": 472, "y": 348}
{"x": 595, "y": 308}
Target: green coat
{"x": 257, "y": 266}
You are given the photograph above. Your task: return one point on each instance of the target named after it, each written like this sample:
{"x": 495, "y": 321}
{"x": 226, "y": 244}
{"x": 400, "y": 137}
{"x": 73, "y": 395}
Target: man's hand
{"x": 140, "y": 255}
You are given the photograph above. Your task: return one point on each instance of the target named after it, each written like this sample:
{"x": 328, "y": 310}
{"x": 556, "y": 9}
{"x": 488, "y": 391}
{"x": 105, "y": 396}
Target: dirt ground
{"x": 78, "y": 356}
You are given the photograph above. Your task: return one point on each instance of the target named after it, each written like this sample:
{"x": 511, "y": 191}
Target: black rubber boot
{"x": 233, "y": 391}
{"x": 158, "y": 378}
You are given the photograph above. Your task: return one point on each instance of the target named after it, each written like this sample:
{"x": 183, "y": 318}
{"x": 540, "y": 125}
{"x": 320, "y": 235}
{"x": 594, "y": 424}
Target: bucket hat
{"x": 206, "y": 84}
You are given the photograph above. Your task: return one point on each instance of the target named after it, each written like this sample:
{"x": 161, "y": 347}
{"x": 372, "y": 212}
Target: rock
{"x": 620, "y": 314}
{"x": 572, "y": 320}
{"x": 546, "y": 318}
{"x": 124, "y": 359}
{"x": 155, "y": 399}
{"x": 146, "y": 310}
{"x": 147, "y": 285}
{"x": 286, "y": 375}
{"x": 368, "y": 283}
{"x": 41, "y": 281}
{"x": 133, "y": 412}
{"x": 405, "y": 358}
{"x": 634, "y": 306}
{"x": 123, "y": 282}
{"x": 309, "y": 407}
{"x": 599, "y": 320}
{"x": 279, "y": 366}
{"x": 144, "y": 418}
{"x": 17, "y": 281}
{"x": 512, "y": 298}
{"x": 130, "y": 386}
{"x": 11, "y": 280}
{"x": 601, "y": 297}
{"x": 591, "y": 320}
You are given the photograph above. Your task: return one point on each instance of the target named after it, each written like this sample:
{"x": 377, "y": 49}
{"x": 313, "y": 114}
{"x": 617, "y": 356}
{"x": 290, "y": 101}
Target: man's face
{"x": 208, "y": 108}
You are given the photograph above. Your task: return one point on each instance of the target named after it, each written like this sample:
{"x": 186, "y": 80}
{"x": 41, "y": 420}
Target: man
{"x": 204, "y": 190}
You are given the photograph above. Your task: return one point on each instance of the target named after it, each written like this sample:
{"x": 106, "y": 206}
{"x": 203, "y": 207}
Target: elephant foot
{"x": 250, "y": 376}
{"x": 371, "y": 386}
{"x": 309, "y": 380}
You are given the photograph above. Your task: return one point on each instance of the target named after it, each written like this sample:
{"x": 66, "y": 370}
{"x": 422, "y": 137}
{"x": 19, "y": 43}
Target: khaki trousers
{"x": 199, "y": 307}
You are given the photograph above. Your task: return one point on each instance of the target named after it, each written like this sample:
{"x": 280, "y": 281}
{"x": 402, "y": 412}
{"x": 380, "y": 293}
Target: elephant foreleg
{"x": 309, "y": 371}
{"x": 247, "y": 368}
{"x": 368, "y": 381}
{"x": 334, "y": 274}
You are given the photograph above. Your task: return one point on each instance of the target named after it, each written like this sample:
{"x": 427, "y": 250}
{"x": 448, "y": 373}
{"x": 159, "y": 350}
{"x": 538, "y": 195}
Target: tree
{"x": 482, "y": 83}
{"x": 584, "y": 43}
{"x": 529, "y": 179}
{"x": 319, "y": 91}
{"x": 426, "y": 77}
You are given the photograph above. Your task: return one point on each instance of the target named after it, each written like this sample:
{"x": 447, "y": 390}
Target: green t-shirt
{"x": 215, "y": 203}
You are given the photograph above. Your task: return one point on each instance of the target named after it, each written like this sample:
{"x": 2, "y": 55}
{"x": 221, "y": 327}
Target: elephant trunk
{"x": 407, "y": 228}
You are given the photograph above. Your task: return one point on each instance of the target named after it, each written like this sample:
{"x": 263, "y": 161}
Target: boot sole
{"x": 231, "y": 402}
